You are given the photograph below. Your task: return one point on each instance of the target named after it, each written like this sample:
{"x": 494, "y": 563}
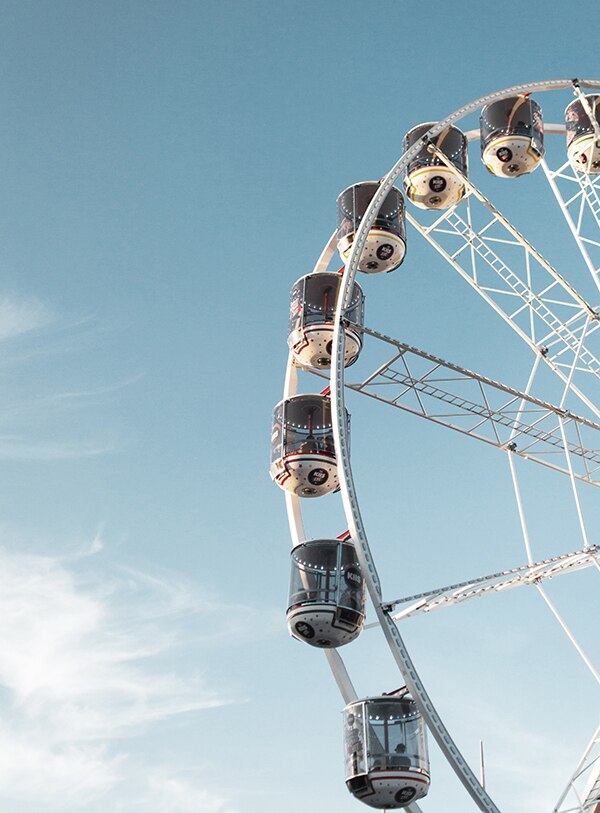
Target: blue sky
{"x": 168, "y": 171}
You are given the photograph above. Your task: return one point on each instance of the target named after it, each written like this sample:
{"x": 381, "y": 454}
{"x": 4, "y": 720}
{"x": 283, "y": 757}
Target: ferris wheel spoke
{"x": 589, "y": 188}
{"x": 509, "y": 228}
{"x": 569, "y": 461}
{"x": 564, "y": 340}
{"x": 581, "y": 211}
{"x": 582, "y": 793}
{"x": 569, "y": 634}
{"x": 341, "y": 676}
{"x": 550, "y": 314}
{"x": 326, "y": 254}
{"x": 592, "y": 797}
{"x": 524, "y": 575}
{"x": 551, "y": 606}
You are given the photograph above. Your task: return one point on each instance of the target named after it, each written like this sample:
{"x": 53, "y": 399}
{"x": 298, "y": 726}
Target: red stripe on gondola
{"x": 299, "y": 346}
{"x": 382, "y": 776}
{"x": 313, "y": 455}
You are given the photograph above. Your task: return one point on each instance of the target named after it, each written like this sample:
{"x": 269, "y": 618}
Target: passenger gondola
{"x": 387, "y": 764}
{"x": 583, "y": 147}
{"x": 312, "y": 310}
{"x": 326, "y": 606}
{"x": 428, "y": 182}
{"x": 303, "y": 459}
{"x": 386, "y": 241}
{"x": 512, "y": 136}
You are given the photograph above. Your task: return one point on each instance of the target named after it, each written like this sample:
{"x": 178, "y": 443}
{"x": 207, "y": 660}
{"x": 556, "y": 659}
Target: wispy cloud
{"x": 82, "y": 665}
{"x": 61, "y": 402}
{"x": 168, "y": 792}
{"x": 18, "y": 317}
{"x": 95, "y": 658}
{"x": 37, "y": 417}
{"x": 14, "y": 447}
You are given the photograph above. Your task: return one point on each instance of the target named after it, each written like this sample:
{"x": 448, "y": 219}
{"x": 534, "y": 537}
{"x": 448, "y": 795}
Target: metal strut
{"x": 528, "y": 574}
{"x": 444, "y": 393}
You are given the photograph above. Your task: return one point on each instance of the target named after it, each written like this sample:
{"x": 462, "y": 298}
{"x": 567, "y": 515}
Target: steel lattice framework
{"x": 495, "y": 583}
{"x": 578, "y": 196}
{"x": 444, "y": 393}
{"x": 558, "y": 325}
{"x": 521, "y": 286}
{"x": 582, "y": 794}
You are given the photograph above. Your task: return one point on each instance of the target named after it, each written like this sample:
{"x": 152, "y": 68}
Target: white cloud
{"x": 167, "y": 792}
{"x": 40, "y": 425}
{"x": 83, "y": 654}
{"x": 176, "y": 795}
{"x": 43, "y": 774}
{"x": 21, "y": 317}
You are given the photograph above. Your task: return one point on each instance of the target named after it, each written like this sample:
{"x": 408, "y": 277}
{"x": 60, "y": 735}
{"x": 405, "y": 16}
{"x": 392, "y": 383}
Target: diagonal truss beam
{"x": 591, "y": 799}
{"x": 452, "y": 396}
{"x": 582, "y": 794}
{"x": 495, "y": 582}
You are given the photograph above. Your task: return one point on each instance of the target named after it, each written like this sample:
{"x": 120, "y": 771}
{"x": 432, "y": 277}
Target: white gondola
{"x": 428, "y": 182}
{"x": 312, "y": 310}
{"x": 386, "y": 242}
{"x": 303, "y": 459}
{"x": 387, "y": 764}
{"x": 326, "y": 606}
{"x": 512, "y": 136}
{"x": 583, "y": 148}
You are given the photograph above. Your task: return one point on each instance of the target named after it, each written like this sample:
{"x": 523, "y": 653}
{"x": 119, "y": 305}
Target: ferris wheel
{"x": 385, "y": 734}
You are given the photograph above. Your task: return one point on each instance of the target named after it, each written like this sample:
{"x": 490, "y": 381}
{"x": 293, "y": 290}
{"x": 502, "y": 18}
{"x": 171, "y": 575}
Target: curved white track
{"x": 347, "y": 487}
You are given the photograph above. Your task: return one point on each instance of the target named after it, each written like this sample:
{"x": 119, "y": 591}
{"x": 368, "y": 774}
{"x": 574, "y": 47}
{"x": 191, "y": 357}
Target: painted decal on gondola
{"x": 437, "y": 183}
{"x": 405, "y": 795}
{"x": 385, "y": 251}
{"x": 352, "y": 577}
{"x": 318, "y": 477}
{"x": 304, "y": 629}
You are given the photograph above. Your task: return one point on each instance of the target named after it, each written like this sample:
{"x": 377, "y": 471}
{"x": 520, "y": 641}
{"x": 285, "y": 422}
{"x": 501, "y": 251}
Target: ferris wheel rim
{"x": 350, "y": 500}
{"x": 347, "y": 489}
